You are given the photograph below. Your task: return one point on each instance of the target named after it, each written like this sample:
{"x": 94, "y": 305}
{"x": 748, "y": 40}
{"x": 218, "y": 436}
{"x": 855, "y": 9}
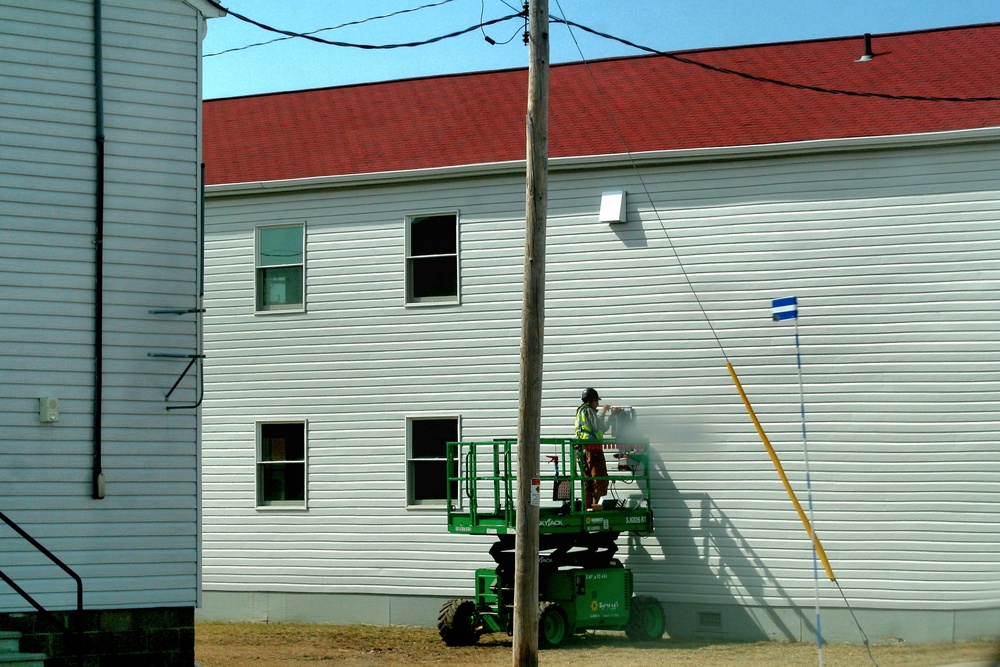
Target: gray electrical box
{"x": 48, "y": 410}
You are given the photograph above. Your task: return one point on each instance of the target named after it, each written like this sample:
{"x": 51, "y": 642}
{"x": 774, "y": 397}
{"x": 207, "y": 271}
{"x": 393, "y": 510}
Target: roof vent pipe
{"x": 868, "y": 50}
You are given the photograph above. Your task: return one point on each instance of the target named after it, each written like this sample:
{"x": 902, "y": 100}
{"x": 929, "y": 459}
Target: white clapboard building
{"x": 364, "y": 249}
{"x": 99, "y": 255}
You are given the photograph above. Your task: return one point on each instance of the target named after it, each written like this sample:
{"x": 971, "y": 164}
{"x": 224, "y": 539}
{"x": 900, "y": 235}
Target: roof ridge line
{"x": 578, "y": 63}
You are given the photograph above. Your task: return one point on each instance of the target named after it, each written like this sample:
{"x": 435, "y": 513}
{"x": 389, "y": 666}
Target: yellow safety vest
{"x": 583, "y": 430}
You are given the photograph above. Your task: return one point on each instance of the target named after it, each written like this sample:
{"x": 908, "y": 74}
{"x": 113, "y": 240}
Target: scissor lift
{"x": 582, "y": 585}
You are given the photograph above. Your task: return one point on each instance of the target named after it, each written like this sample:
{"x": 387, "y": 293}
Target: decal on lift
{"x": 595, "y": 524}
{"x": 604, "y": 609}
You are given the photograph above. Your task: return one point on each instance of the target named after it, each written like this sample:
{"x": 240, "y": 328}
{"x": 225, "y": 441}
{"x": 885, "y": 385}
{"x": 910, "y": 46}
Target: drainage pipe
{"x": 97, "y": 491}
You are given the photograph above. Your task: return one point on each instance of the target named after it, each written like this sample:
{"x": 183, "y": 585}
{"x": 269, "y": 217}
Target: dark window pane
{"x": 279, "y": 287}
{"x": 433, "y": 235}
{"x": 282, "y": 442}
{"x": 434, "y": 277}
{"x": 427, "y": 437}
{"x": 429, "y": 478}
{"x": 282, "y": 481}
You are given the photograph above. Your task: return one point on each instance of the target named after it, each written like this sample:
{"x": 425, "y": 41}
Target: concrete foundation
{"x": 705, "y": 621}
{"x": 160, "y": 637}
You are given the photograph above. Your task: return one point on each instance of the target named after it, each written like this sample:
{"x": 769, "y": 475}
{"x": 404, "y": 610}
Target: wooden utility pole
{"x": 532, "y": 325}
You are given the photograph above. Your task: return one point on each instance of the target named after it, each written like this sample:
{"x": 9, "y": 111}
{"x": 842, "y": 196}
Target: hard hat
{"x": 590, "y": 394}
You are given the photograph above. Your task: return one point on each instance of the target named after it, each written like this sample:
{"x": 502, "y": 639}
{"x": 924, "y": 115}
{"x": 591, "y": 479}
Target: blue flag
{"x": 784, "y": 309}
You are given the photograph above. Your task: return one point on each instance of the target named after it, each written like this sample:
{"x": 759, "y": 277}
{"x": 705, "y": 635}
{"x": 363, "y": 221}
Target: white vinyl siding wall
{"x": 138, "y": 546}
{"x": 894, "y": 256}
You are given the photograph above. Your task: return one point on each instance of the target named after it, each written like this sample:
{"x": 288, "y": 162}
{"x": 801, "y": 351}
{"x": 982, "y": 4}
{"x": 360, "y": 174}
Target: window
{"x": 280, "y": 267}
{"x": 281, "y": 464}
{"x": 426, "y": 465}
{"x": 432, "y": 258}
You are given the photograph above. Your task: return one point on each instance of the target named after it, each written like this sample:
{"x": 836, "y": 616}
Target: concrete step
{"x": 22, "y": 659}
{"x": 9, "y": 641}
{"x": 10, "y": 655}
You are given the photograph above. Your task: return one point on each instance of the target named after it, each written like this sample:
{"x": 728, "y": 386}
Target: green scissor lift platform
{"x": 582, "y": 586}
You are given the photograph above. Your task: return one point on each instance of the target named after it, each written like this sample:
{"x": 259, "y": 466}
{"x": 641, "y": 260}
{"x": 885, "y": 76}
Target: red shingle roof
{"x": 658, "y": 104}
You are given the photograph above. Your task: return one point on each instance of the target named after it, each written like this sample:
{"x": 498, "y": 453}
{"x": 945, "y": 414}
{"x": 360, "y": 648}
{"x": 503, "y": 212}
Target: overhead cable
{"x": 777, "y": 82}
{"x": 694, "y": 293}
{"x": 335, "y": 27}
{"x": 328, "y": 42}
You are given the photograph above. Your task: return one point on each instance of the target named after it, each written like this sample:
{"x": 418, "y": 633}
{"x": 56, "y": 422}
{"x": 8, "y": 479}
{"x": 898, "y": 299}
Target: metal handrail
{"x": 52, "y": 557}
{"x": 464, "y": 471}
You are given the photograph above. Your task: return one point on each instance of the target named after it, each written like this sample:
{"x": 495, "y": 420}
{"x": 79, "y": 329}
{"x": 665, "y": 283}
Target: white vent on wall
{"x": 612, "y": 206}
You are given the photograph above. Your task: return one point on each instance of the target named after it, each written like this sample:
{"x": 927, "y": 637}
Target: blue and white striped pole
{"x": 787, "y": 308}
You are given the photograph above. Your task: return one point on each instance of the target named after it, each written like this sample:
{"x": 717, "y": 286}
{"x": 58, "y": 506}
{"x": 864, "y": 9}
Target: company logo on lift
{"x": 550, "y": 522}
{"x": 597, "y": 606}
{"x": 596, "y": 524}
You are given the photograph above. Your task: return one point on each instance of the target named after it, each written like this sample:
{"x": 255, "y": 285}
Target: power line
{"x": 490, "y": 40}
{"x": 336, "y": 27}
{"x": 555, "y": 19}
{"x": 764, "y": 79}
{"x": 690, "y": 283}
{"x": 642, "y": 181}
{"x": 328, "y": 42}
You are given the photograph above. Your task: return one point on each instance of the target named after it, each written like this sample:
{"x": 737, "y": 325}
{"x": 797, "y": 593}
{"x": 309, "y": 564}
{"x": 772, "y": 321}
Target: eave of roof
{"x": 616, "y": 160}
{"x": 658, "y": 105}
{"x": 207, "y": 9}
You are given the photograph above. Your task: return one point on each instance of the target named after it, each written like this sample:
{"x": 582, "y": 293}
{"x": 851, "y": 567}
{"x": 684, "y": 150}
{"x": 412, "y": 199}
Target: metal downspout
{"x": 98, "y": 472}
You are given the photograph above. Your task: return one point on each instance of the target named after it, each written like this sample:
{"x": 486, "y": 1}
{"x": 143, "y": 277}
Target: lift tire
{"x": 646, "y": 620}
{"x": 553, "y": 627}
{"x": 457, "y": 623}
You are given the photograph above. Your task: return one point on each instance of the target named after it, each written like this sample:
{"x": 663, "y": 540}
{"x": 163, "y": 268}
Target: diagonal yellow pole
{"x": 781, "y": 473}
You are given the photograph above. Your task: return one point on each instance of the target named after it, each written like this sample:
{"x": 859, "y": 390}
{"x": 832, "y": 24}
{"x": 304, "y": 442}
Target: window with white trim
{"x": 432, "y": 258}
{"x": 280, "y": 267}
{"x": 281, "y": 464}
{"x": 426, "y": 462}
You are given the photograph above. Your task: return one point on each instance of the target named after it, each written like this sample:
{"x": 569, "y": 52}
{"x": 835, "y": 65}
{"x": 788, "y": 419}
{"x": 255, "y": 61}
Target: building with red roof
{"x": 647, "y": 103}
{"x": 364, "y": 265}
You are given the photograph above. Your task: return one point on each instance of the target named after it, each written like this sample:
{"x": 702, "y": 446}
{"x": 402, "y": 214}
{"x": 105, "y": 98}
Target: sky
{"x": 666, "y": 25}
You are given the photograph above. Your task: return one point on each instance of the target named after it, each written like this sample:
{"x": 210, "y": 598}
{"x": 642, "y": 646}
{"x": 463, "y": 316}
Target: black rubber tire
{"x": 553, "y": 627}
{"x": 457, "y": 623}
{"x": 646, "y": 620}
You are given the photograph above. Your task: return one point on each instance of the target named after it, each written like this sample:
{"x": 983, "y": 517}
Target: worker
{"x": 591, "y": 425}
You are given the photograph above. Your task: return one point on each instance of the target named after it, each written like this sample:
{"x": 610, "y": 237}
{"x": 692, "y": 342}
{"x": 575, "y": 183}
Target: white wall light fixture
{"x": 612, "y": 206}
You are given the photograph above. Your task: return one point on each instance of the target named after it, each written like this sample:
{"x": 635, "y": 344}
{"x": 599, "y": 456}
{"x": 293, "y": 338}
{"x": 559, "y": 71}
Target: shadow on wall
{"x": 710, "y": 579}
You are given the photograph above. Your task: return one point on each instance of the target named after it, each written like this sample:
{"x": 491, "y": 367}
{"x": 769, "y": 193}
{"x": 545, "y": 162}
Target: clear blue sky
{"x": 667, "y": 25}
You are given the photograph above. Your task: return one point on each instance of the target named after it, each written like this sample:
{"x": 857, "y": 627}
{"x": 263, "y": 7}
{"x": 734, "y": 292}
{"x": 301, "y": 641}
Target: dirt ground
{"x": 293, "y": 645}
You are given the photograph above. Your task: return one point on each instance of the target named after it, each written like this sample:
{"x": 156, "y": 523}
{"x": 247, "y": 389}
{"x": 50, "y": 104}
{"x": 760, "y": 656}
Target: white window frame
{"x": 258, "y": 268}
{"x": 263, "y": 504}
{"x": 429, "y": 503}
{"x": 410, "y": 259}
